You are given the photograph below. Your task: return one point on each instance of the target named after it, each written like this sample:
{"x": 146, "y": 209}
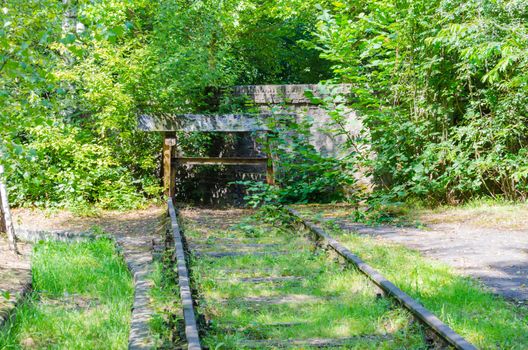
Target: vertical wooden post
{"x": 176, "y": 155}
{"x": 168, "y": 178}
{"x": 270, "y": 171}
{"x": 6, "y": 214}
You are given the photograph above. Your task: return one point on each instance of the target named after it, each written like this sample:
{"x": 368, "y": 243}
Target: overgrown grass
{"x": 166, "y": 321}
{"x": 333, "y": 303}
{"x": 486, "y": 320}
{"x": 82, "y": 297}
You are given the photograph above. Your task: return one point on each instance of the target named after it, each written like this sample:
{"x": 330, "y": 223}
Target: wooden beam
{"x": 270, "y": 170}
{"x": 202, "y": 122}
{"x": 221, "y": 161}
{"x": 5, "y": 216}
{"x": 168, "y": 178}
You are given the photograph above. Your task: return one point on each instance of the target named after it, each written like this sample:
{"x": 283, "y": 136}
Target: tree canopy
{"x": 76, "y": 74}
{"x": 441, "y": 87}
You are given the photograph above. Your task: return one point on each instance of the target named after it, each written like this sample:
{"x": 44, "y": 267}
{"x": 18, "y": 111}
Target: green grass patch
{"x": 166, "y": 322}
{"x": 325, "y": 301}
{"x": 486, "y": 320}
{"x": 82, "y": 298}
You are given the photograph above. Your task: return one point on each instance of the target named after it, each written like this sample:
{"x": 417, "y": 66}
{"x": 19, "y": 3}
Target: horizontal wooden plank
{"x": 226, "y": 245}
{"x": 232, "y": 327}
{"x": 277, "y": 279}
{"x": 220, "y": 161}
{"x": 238, "y": 254}
{"x": 292, "y": 299}
{"x": 314, "y": 342}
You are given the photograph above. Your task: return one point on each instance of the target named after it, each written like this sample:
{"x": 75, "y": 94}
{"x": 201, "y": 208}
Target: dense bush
{"x": 68, "y": 129}
{"x": 302, "y": 174}
{"x": 75, "y": 74}
{"x": 442, "y": 87}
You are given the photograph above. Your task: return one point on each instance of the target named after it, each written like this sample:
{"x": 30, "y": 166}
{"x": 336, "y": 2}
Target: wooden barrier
{"x": 169, "y": 124}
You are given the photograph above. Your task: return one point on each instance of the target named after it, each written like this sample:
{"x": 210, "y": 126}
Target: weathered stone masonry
{"x": 293, "y": 99}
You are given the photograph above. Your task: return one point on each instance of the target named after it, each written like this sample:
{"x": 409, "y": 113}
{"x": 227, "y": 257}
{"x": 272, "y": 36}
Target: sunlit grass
{"x": 165, "y": 301}
{"x": 82, "y": 297}
{"x": 485, "y": 213}
{"x": 334, "y": 302}
{"x": 488, "y": 321}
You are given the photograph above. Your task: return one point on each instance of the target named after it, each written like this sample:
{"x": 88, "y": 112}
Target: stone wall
{"x": 292, "y": 98}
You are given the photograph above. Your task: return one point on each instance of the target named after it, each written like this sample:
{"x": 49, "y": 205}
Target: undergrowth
{"x": 166, "y": 324}
{"x": 81, "y": 299}
{"x": 488, "y": 321}
{"x": 335, "y": 303}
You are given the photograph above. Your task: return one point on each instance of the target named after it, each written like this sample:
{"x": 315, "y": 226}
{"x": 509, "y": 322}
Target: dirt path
{"x": 485, "y": 244}
{"x": 15, "y": 277}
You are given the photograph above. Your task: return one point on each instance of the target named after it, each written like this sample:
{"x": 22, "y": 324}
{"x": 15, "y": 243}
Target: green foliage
{"x": 442, "y": 88}
{"x": 81, "y": 298}
{"x": 260, "y": 193}
{"x": 70, "y": 174}
{"x": 494, "y": 323}
{"x": 165, "y": 301}
{"x": 271, "y": 43}
{"x": 69, "y": 137}
{"x": 75, "y": 74}
{"x": 303, "y": 173}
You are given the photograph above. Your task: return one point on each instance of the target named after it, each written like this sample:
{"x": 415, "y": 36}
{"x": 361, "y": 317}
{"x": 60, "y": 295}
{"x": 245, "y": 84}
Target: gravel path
{"x": 498, "y": 258}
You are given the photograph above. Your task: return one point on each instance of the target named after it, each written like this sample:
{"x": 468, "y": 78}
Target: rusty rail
{"x": 191, "y": 327}
{"x": 419, "y": 311}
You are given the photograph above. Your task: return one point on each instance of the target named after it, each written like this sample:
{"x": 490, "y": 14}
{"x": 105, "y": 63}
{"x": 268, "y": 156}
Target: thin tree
{"x": 6, "y": 222}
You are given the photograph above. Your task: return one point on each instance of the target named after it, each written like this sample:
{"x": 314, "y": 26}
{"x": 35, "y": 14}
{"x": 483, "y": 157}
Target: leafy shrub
{"x": 65, "y": 168}
{"x": 71, "y": 88}
{"x": 303, "y": 174}
{"x": 442, "y": 90}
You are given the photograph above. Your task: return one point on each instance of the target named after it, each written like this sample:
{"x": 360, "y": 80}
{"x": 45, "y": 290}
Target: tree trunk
{"x": 6, "y": 223}
{"x": 3, "y": 227}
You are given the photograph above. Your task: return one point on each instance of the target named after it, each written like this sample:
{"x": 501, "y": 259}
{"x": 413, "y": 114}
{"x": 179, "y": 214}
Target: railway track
{"x": 262, "y": 286}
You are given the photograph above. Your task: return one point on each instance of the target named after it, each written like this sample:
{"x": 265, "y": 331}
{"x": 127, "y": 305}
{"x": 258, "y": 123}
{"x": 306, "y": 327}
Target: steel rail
{"x": 191, "y": 327}
{"x": 419, "y": 311}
